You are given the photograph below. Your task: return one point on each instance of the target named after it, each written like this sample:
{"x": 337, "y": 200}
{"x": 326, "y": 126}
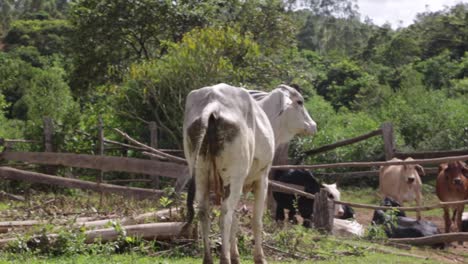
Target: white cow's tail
{"x": 210, "y": 111}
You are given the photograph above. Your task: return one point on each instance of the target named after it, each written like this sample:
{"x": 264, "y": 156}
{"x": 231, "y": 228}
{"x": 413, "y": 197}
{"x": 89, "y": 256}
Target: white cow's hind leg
{"x": 260, "y": 191}
{"x": 204, "y": 215}
{"x": 234, "y": 250}
{"x": 231, "y": 199}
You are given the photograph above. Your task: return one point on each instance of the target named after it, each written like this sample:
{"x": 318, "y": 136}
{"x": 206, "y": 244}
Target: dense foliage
{"x": 135, "y": 61}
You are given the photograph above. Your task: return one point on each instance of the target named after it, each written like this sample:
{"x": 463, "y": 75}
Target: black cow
{"x": 304, "y": 205}
{"x": 403, "y": 227}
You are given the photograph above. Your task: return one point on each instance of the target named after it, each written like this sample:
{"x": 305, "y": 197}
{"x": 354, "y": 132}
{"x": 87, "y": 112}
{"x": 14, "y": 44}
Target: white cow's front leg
{"x": 231, "y": 198}
{"x": 418, "y": 203}
{"x": 260, "y": 191}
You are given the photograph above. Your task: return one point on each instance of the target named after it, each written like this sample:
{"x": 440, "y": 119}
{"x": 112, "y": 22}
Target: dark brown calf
{"x": 452, "y": 185}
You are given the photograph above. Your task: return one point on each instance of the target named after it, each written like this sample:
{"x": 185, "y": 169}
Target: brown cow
{"x": 452, "y": 185}
{"x": 402, "y": 182}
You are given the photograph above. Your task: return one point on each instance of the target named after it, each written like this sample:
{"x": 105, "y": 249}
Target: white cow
{"x": 229, "y": 143}
{"x": 402, "y": 182}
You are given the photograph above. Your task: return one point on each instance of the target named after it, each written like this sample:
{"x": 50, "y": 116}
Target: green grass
{"x": 4, "y": 206}
{"x": 370, "y": 257}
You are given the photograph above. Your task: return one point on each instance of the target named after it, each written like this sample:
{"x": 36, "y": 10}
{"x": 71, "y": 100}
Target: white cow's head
{"x": 412, "y": 172}
{"x": 284, "y": 107}
{"x": 334, "y": 194}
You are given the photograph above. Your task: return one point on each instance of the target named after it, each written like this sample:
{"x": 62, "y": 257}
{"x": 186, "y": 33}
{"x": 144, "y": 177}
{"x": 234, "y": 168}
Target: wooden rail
{"x": 371, "y": 164}
{"x": 104, "y": 163}
{"x": 430, "y": 154}
{"x": 343, "y": 143}
{"x": 359, "y": 174}
{"x": 138, "y": 193}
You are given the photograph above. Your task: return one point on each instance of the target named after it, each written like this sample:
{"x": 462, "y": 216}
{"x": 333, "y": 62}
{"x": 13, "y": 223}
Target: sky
{"x": 394, "y": 11}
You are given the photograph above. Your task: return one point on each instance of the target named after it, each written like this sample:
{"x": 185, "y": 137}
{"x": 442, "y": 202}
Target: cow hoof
{"x": 235, "y": 260}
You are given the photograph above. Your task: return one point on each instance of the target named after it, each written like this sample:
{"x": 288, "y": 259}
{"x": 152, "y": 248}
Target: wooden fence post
{"x": 48, "y": 134}
{"x": 323, "y": 212}
{"x": 154, "y": 144}
{"x": 100, "y": 138}
{"x": 100, "y": 177}
{"x": 48, "y": 141}
{"x": 389, "y": 141}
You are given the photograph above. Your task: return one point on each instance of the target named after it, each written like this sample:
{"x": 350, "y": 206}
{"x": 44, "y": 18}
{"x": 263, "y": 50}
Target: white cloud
{"x": 394, "y": 11}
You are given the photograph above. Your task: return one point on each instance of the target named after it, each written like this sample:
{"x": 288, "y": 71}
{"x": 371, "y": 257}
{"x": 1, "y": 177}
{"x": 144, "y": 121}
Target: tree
{"x": 47, "y": 36}
{"x": 156, "y": 90}
{"x": 343, "y": 81}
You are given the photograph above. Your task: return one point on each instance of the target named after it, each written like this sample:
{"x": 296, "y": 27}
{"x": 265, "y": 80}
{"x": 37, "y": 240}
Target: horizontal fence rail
{"x": 371, "y": 164}
{"x": 138, "y": 193}
{"x": 430, "y": 154}
{"x": 343, "y": 143}
{"x": 359, "y": 174}
{"x": 104, "y": 163}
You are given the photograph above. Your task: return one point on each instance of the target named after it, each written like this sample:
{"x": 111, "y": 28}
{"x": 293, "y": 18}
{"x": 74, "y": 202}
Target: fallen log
{"x": 85, "y": 221}
{"x": 431, "y": 240}
{"x": 137, "y": 193}
{"x": 153, "y": 231}
{"x": 8, "y": 225}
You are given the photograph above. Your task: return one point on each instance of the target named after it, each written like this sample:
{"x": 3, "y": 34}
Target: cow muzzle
{"x": 310, "y": 128}
{"x": 339, "y": 211}
{"x": 410, "y": 180}
{"x": 457, "y": 181}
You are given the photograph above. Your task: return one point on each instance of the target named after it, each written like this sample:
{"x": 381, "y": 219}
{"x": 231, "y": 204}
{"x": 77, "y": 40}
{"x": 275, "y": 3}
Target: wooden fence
{"x": 167, "y": 165}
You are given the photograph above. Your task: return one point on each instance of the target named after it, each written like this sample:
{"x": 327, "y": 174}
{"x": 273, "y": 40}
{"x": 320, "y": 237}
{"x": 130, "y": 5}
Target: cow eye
{"x": 330, "y": 196}
{"x": 299, "y": 102}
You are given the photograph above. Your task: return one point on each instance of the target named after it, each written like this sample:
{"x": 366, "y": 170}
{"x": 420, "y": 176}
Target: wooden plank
{"x": 343, "y": 143}
{"x": 138, "y": 193}
{"x": 104, "y": 163}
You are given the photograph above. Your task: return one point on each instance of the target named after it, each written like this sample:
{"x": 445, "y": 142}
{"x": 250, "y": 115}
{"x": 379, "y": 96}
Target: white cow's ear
{"x": 281, "y": 100}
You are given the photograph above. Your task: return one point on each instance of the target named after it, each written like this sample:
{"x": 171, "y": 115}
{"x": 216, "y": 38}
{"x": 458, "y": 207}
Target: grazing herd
{"x": 230, "y": 137}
